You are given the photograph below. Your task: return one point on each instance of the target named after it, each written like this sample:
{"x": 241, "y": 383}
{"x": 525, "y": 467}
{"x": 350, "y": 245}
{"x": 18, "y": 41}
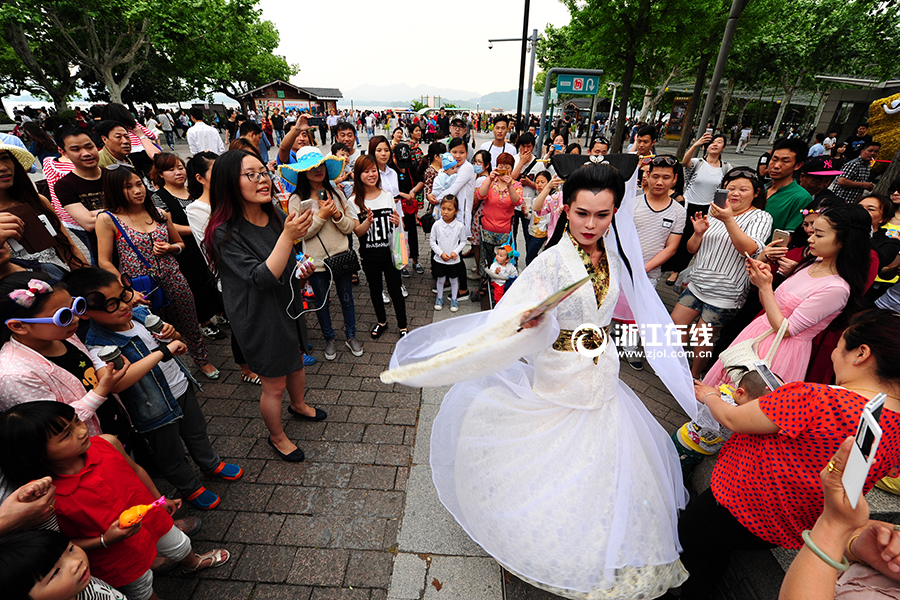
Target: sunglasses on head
{"x": 63, "y": 317}
{"x": 742, "y": 172}
{"x": 668, "y": 161}
{"x": 97, "y": 301}
{"x": 115, "y": 166}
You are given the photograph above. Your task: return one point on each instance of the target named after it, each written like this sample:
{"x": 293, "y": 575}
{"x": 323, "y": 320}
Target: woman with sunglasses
{"x": 153, "y": 233}
{"x": 703, "y": 179}
{"x": 43, "y": 360}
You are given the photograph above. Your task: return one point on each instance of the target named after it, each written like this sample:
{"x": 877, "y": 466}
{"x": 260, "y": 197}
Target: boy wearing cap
{"x": 815, "y": 176}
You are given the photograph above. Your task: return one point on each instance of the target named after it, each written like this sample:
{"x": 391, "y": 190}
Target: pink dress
{"x": 809, "y": 304}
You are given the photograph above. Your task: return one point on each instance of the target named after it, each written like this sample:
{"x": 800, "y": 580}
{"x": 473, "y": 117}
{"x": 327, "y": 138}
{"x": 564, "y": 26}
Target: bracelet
{"x": 853, "y": 556}
{"x": 840, "y": 566}
{"x": 180, "y": 250}
{"x": 103, "y": 542}
{"x": 167, "y": 354}
{"x": 711, "y": 394}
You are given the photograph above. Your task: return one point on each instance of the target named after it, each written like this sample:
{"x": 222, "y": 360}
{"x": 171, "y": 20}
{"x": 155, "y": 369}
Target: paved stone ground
{"x": 330, "y": 528}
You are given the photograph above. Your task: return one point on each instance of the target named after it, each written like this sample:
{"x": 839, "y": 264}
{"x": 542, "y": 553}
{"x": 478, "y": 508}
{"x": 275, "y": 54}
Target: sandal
{"x": 254, "y": 380}
{"x": 378, "y": 330}
{"x": 216, "y": 557}
{"x": 354, "y": 279}
{"x": 212, "y": 375}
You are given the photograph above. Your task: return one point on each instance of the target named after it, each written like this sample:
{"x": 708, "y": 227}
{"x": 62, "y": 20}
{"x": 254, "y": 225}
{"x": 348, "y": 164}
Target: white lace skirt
{"x": 581, "y": 502}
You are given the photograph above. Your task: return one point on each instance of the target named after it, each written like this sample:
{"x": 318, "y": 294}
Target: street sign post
{"x": 584, "y": 85}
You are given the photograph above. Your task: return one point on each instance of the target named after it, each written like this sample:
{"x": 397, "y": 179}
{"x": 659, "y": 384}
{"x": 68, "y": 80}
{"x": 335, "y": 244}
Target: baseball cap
{"x": 819, "y": 165}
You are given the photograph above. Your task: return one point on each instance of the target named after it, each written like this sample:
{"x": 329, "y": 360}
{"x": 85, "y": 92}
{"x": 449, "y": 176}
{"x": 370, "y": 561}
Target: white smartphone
{"x": 780, "y": 235}
{"x": 862, "y": 454}
{"x": 767, "y": 375}
{"x": 720, "y": 198}
{"x": 305, "y": 205}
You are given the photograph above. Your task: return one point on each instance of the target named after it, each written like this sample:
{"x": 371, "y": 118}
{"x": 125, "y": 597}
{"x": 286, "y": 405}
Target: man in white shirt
{"x": 830, "y": 141}
{"x": 332, "y": 121}
{"x": 202, "y": 137}
{"x": 499, "y": 145}
{"x": 744, "y": 139}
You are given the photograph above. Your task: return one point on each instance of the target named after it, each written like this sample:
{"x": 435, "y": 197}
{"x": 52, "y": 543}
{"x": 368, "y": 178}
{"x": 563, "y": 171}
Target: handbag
{"x": 148, "y": 284}
{"x": 738, "y": 358}
{"x": 342, "y": 263}
{"x": 427, "y": 221}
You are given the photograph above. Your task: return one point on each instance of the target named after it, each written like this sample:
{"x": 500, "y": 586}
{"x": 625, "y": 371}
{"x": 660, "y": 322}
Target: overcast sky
{"x": 441, "y": 44}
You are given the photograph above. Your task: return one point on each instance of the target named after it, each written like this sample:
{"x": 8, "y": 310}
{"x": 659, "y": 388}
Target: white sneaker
{"x": 385, "y": 298}
{"x": 439, "y": 304}
{"x": 403, "y": 290}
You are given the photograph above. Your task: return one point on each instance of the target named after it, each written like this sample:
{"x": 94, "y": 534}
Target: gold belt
{"x": 589, "y": 338}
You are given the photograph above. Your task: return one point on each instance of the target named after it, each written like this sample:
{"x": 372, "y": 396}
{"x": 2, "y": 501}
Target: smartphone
{"x": 323, "y": 195}
{"x": 781, "y": 236}
{"x": 862, "y": 454}
{"x": 315, "y": 121}
{"x": 720, "y": 198}
{"x": 305, "y": 205}
{"x": 709, "y": 131}
{"x": 767, "y": 375}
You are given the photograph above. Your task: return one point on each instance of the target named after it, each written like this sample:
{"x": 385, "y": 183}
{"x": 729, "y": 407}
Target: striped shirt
{"x": 719, "y": 277}
{"x": 855, "y": 170}
{"x": 654, "y": 228}
{"x": 54, "y": 170}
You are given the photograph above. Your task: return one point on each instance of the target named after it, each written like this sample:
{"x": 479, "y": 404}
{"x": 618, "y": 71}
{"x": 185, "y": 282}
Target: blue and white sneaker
{"x": 454, "y": 306}
{"x": 439, "y": 304}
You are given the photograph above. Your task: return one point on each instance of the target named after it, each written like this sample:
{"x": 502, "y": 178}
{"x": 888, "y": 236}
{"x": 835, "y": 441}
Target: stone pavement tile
{"x": 373, "y": 477}
{"x": 232, "y": 446}
{"x": 427, "y": 527}
{"x": 383, "y": 434}
{"x": 434, "y": 395}
{"x": 402, "y": 416}
{"x": 220, "y": 407}
{"x": 266, "y": 563}
{"x": 408, "y": 578}
{"x": 226, "y": 425}
{"x": 358, "y": 533}
{"x": 402, "y": 477}
{"x": 251, "y": 497}
{"x": 422, "y": 449}
{"x": 371, "y": 569}
{"x": 344, "y": 432}
{"x": 318, "y": 567}
{"x": 217, "y": 389}
{"x": 175, "y": 588}
{"x": 355, "y": 453}
{"x": 217, "y": 590}
{"x": 463, "y": 578}
{"x": 389, "y": 454}
{"x": 214, "y": 523}
{"x": 340, "y": 594}
{"x": 328, "y": 475}
{"x": 306, "y": 530}
{"x": 268, "y": 591}
{"x": 254, "y": 528}
{"x": 357, "y": 398}
{"x": 516, "y": 589}
{"x": 402, "y": 398}
{"x": 292, "y": 499}
{"x": 277, "y": 471}
{"x": 368, "y": 503}
{"x": 315, "y": 397}
{"x": 367, "y": 414}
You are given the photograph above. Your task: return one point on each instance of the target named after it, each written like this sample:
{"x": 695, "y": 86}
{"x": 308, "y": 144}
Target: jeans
{"x": 410, "y": 226}
{"x": 170, "y": 137}
{"x": 85, "y": 239}
{"x": 532, "y": 248}
{"x": 374, "y": 268}
{"x": 168, "y": 449}
{"x": 279, "y": 135}
{"x": 321, "y": 284}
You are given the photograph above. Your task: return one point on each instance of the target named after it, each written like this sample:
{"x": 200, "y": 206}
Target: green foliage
{"x": 449, "y": 105}
{"x": 416, "y": 105}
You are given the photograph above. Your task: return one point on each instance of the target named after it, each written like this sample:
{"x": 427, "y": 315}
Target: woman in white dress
{"x": 552, "y": 464}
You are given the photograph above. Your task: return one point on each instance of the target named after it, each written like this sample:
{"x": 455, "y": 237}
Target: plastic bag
{"x": 399, "y": 248}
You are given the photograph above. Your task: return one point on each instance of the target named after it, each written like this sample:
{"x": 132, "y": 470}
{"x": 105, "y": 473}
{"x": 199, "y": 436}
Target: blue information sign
{"x": 586, "y": 85}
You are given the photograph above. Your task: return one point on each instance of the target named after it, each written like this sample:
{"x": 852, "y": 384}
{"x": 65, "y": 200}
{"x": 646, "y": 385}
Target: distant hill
{"x": 401, "y": 95}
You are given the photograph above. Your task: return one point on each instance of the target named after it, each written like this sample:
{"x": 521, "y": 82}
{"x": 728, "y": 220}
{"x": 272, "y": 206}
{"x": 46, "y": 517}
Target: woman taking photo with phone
{"x": 312, "y": 176}
{"x": 765, "y": 485}
{"x": 250, "y": 244}
{"x": 703, "y": 176}
{"x": 832, "y": 277}
{"x": 719, "y": 279}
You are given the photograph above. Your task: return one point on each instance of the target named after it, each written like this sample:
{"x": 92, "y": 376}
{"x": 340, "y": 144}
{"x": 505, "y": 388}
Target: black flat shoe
{"x": 295, "y": 456}
{"x": 378, "y": 330}
{"x": 670, "y": 282}
{"x": 321, "y": 415}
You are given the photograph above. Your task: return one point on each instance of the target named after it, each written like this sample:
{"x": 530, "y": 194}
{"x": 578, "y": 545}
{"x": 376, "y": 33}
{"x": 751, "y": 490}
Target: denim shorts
{"x": 713, "y": 315}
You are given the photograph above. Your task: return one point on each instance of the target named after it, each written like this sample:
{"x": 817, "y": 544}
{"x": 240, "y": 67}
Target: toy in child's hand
{"x": 134, "y": 515}
{"x": 305, "y": 266}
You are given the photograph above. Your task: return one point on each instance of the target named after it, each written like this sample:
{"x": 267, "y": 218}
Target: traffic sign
{"x": 584, "y": 85}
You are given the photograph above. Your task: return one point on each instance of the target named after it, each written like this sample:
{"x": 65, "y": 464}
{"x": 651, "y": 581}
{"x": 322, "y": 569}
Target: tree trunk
{"x": 645, "y": 107}
{"x": 891, "y": 174}
{"x": 661, "y": 90}
{"x": 726, "y": 100}
{"x": 619, "y": 137}
{"x": 740, "y": 119}
{"x": 789, "y": 91}
{"x": 695, "y": 100}
{"x": 57, "y": 85}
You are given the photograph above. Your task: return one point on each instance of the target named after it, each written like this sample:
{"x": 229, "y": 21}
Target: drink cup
{"x": 112, "y": 354}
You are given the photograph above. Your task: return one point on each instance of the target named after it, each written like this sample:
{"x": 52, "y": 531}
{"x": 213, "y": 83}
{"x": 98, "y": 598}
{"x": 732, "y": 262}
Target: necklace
{"x": 859, "y": 389}
{"x": 818, "y": 264}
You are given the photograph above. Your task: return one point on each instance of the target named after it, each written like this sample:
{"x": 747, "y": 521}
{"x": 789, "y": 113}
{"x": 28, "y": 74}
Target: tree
{"x": 416, "y": 105}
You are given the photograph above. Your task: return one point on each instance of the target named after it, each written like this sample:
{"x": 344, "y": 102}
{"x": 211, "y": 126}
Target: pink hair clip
{"x": 25, "y": 298}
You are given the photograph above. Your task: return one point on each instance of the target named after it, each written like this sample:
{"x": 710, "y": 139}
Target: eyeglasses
{"x": 668, "y": 161}
{"x": 62, "y": 317}
{"x": 256, "y": 176}
{"x": 739, "y": 172}
{"x": 97, "y": 301}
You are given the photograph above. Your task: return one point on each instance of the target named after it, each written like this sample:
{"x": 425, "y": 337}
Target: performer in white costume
{"x": 551, "y": 463}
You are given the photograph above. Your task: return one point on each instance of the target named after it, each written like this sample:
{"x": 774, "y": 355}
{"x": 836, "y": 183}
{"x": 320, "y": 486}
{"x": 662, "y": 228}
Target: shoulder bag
{"x": 148, "y": 284}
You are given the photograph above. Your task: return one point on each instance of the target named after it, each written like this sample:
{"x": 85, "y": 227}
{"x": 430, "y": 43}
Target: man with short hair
{"x": 370, "y": 125}
{"x": 599, "y": 147}
{"x": 165, "y": 123}
{"x": 499, "y": 145}
{"x": 818, "y": 149}
{"x": 345, "y": 134}
{"x": 116, "y": 144}
{"x": 251, "y": 132}
{"x": 644, "y": 141}
{"x": 443, "y": 122}
{"x": 815, "y": 176}
{"x": 785, "y": 196}
{"x": 331, "y": 120}
{"x": 80, "y": 192}
{"x": 201, "y": 137}
{"x": 854, "y": 179}
{"x": 830, "y": 141}
{"x": 277, "y": 126}
{"x": 744, "y": 139}
{"x": 855, "y": 143}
